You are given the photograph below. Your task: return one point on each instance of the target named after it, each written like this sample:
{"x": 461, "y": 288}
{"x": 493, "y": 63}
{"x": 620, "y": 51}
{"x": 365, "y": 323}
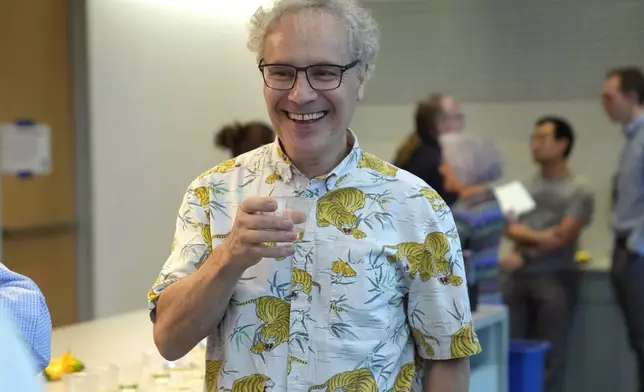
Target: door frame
{"x": 77, "y": 36}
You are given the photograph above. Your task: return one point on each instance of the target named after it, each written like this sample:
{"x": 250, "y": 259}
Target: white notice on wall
{"x": 25, "y": 149}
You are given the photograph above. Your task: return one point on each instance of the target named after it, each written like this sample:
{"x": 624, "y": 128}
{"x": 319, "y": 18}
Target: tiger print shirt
{"x": 377, "y": 285}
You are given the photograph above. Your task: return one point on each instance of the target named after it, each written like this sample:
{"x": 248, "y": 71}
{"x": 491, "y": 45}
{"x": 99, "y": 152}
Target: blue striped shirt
{"x": 480, "y": 224}
{"x": 628, "y": 216}
{"x": 21, "y": 298}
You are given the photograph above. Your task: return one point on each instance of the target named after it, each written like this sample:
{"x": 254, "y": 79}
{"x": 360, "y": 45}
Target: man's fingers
{"x": 296, "y": 216}
{"x": 273, "y": 251}
{"x": 262, "y": 236}
{"x": 253, "y": 205}
{"x": 268, "y": 222}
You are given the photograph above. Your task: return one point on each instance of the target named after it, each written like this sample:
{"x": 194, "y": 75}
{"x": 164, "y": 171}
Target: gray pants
{"x": 627, "y": 276}
{"x": 541, "y": 307}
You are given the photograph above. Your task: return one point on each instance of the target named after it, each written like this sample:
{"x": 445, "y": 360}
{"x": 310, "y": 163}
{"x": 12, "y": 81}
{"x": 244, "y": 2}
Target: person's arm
{"x": 193, "y": 291}
{"x": 438, "y": 309}
{"x": 21, "y": 298}
{"x": 191, "y": 308}
{"x": 452, "y": 375}
{"x": 578, "y": 215}
{"x": 17, "y": 366}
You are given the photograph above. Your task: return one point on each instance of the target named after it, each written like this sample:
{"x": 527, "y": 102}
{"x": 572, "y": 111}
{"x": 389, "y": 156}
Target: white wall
{"x": 163, "y": 78}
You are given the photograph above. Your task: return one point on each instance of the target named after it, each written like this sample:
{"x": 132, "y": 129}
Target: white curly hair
{"x": 362, "y": 29}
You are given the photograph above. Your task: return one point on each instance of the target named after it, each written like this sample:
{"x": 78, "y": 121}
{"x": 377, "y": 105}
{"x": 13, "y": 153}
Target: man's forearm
{"x": 188, "y": 310}
{"x": 451, "y": 375}
{"x": 523, "y": 235}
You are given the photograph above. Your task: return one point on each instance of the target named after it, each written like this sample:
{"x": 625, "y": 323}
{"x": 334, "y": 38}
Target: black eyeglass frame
{"x": 342, "y": 68}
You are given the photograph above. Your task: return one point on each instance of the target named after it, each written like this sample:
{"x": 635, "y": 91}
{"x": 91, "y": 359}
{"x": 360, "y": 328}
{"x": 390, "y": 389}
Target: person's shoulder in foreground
{"x": 25, "y": 303}
{"x": 17, "y": 370}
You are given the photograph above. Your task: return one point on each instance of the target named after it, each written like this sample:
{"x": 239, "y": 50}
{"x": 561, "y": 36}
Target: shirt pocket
{"x": 365, "y": 292}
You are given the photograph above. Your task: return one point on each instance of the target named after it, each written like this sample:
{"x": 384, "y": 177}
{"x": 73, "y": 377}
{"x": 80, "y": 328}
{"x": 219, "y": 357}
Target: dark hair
{"x": 563, "y": 131}
{"x": 631, "y": 79}
{"x": 426, "y": 130}
{"x": 241, "y": 138}
{"x": 426, "y": 119}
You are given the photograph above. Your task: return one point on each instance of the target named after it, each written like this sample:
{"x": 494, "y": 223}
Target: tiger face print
{"x": 423, "y": 340}
{"x": 464, "y": 342}
{"x": 253, "y": 383}
{"x": 360, "y": 380}
{"x": 378, "y": 165}
{"x": 342, "y": 269}
{"x": 275, "y": 314}
{"x": 405, "y": 378}
{"x": 433, "y": 198}
{"x": 427, "y": 258}
{"x": 302, "y": 282}
{"x": 212, "y": 374}
{"x": 223, "y": 167}
{"x": 338, "y": 209}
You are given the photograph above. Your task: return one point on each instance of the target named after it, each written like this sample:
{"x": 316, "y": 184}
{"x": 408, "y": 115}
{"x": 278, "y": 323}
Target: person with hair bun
{"x": 241, "y": 138}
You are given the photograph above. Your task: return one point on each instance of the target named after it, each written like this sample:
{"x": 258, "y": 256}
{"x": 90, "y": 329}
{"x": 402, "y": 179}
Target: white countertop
{"x": 126, "y": 336}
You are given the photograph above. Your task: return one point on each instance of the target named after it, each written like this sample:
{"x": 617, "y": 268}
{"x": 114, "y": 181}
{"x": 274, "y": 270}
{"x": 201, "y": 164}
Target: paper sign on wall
{"x": 25, "y": 148}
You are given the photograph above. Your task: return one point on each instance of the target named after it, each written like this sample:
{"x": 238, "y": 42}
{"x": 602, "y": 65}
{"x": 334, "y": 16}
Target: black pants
{"x": 541, "y": 307}
{"x": 627, "y": 276}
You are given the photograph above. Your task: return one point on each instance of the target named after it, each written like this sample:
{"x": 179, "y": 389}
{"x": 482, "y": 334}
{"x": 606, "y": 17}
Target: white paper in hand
{"x": 514, "y": 198}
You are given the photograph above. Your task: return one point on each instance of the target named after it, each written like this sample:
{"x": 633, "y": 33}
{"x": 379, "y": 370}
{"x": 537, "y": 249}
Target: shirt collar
{"x": 634, "y": 125}
{"x": 286, "y": 170}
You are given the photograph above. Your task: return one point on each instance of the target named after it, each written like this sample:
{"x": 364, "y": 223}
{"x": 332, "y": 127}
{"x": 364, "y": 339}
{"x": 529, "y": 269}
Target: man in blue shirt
{"x": 623, "y": 100}
{"x": 23, "y": 301}
{"x": 17, "y": 367}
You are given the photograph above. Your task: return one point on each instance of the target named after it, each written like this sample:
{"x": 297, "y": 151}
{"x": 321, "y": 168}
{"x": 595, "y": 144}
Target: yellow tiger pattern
{"x": 423, "y": 341}
{"x": 342, "y": 269}
{"x": 338, "y": 208}
{"x": 434, "y": 199}
{"x": 273, "y": 244}
{"x": 223, "y": 167}
{"x": 302, "y": 282}
{"x": 152, "y": 296}
{"x": 360, "y": 380}
{"x": 253, "y": 383}
{"x": 464, "y": 342}
{"x": 273, "y": 177}
{"x": 212, "y": 374}
{"x": 275, "y": 314}
{"x": 202, "y": 194}
{"x": 405, "y": 378}
{"x": 292, "y": 359}
{"x": 378, "y": 165}
{"x": 427, "y": 258}
{"x": 281, "y": 154}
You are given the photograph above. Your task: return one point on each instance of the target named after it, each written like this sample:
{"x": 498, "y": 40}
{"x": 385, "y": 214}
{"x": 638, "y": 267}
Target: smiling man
{"x": 378, "y": 275}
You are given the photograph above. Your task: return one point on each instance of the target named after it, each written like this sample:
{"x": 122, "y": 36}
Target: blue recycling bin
{"x": 527, "y": 365}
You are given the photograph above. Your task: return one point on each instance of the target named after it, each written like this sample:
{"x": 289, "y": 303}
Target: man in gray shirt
{"x": 623, "y": 100}
{"x": 541, "y": 279}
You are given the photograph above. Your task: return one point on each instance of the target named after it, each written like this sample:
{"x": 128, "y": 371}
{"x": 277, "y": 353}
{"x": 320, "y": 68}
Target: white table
{"x": 125, "y": 337}
{"x": 122, "y": 337}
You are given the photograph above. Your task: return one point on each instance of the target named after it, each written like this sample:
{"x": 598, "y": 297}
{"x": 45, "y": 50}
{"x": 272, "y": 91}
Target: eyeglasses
{"x": 321, "y": 77}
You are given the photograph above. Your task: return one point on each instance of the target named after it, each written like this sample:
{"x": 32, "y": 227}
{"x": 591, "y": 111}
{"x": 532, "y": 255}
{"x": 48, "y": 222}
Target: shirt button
{"x": 299, "y": 317}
